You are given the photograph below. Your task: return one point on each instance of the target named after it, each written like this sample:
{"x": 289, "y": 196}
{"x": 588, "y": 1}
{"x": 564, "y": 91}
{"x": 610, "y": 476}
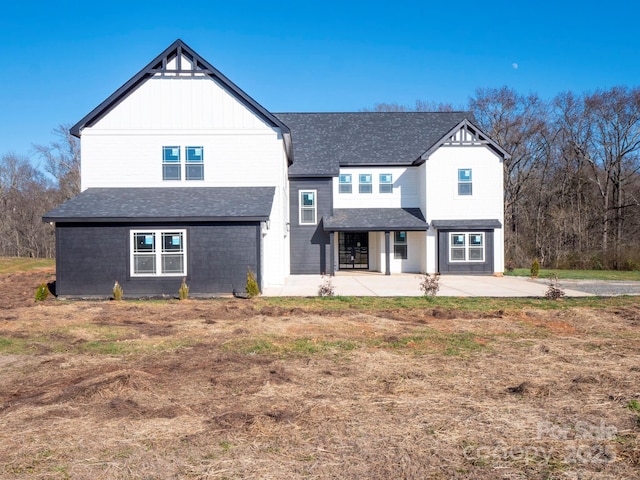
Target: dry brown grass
{"x": 238, "y": 389}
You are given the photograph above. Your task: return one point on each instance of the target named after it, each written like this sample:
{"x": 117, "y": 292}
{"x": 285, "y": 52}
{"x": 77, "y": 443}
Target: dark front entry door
{"x": 354, "y": 250}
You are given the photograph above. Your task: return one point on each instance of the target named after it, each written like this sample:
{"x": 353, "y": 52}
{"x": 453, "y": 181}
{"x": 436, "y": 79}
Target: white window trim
{"x": 158, "y": 253}
{"x": 467, "y": 246}
{"x": 172, "y": 163}
{"x": 188, "y": 162}
{"x": 404, "y": 243}
{"x": 341, "y": 183}
{"x": 315, "y": 207}
{"x": 361, "y": 183}
{"x": 470, "y": 182}
{"x": 381, "y": 183}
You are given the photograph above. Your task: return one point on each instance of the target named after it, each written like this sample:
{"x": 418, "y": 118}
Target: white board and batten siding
{"x": 124, "y": 149}
{"x": 442, "y": 201}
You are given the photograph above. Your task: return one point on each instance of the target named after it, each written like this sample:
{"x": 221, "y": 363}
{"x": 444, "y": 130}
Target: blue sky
{"x": 62, "y": 58}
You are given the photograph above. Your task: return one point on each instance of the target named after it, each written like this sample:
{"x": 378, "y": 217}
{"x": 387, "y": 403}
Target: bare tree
{"x": 25, "y": 195}
{"x": 518, "y": 124}
{"x": 420, "y": 106}
{"x": 614, "y": 141}
{"x": 62, "y": 161}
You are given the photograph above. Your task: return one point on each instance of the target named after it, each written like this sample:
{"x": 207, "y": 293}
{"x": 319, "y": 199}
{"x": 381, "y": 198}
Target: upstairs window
{"x": 386, "y": 183}
{"x": 195, "y": 163}
{"x": 400, "y": 245}
{"x": 465, "y": 185}
{"x": 158, "y": 253}
{"x": 308, "y": 207}
{"x": 345, "y": 183}
{"x": 171, "y": 169}
{"x": 365, "y": 183}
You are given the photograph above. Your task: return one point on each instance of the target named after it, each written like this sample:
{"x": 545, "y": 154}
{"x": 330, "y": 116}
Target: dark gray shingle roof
{"x": 375, "y": 219}
{"x": 488, "y": 223}
{"x": 166, "y": 204}
{"x": 322, "y": 142}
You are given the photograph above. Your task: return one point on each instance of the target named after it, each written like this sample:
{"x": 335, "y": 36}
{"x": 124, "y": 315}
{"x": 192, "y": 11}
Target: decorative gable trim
{"x": 465, "y": 134}
{"x": 179, "y": 60}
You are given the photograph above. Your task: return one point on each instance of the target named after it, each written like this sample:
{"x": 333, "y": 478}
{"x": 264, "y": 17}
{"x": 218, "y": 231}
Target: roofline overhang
{"x": 139, "y": 220}
{"x": 376, "y": 229}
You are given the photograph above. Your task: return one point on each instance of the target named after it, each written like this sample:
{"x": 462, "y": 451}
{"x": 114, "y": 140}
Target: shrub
{"x": 117, "y": 291}
{"x": 535, "y": 268}
{"x": 326, "y": 288}
{"x": 42, "y": 292}
{"x": 554, "y": 292}
{"x": 183, "y": 291}
{"x": 511, "y": 265}
{"x": 252, "y": 288}
{"x": 430, "y": 284}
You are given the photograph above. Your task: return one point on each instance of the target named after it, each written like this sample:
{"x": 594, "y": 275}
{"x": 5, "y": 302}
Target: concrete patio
{"x": 408, "y": 284}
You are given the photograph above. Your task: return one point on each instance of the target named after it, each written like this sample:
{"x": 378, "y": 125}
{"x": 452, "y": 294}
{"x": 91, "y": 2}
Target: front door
{"x": 353, "y": 250}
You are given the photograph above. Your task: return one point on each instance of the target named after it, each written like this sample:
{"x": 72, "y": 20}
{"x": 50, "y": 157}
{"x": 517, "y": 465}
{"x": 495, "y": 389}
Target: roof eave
{"x": 53, "y": 219}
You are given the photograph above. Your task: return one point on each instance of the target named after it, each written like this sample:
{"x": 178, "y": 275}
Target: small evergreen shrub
{"x": 252, "y": 288}
{"x": 183, "y": 291}
{"x": 326, "y": 288}
{"x": 117, "y": 291}
{"x": 554, "y": 292}
{"x": 535, "y": 268}
{"x": 430, "y": 284}
{"x": 42, "y": 292}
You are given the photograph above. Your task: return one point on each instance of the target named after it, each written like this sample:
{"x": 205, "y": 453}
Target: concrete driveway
{"x": 408, "y": 285}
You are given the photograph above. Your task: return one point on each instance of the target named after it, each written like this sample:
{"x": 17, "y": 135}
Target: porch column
{"x": 332, "y": 268}
{"x": 387, "y": 257}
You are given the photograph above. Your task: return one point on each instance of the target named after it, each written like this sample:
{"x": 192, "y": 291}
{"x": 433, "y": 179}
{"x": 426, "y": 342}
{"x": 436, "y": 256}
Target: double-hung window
{"x": 195, "y": 163}
{"x": 365, "y": 183}
{"x": 158, "y": 253}
{"x": 466, "y": 247}
{"x": 171, "y": 168}
{"x": 465, "y": 183}
{"x": 386, "y": 183}
{"x": 308, "y": 207}
{"x": 400, "y": 245}
{"x": 345, "y": 183}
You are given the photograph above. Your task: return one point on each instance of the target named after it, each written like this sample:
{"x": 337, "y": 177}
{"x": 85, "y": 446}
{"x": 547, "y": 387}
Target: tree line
{"x": 32, "y": 185}
{"x": 571, "y": 186}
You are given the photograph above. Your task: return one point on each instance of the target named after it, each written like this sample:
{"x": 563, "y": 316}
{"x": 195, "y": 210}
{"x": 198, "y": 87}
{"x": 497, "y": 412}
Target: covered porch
{"x": 386, "y": 240}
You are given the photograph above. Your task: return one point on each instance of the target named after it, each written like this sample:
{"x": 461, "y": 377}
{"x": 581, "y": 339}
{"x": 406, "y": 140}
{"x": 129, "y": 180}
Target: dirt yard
{"x": 233, "y": 389}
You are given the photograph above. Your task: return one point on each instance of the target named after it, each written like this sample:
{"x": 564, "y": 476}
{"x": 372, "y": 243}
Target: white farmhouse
{"x": 186, "y": 176}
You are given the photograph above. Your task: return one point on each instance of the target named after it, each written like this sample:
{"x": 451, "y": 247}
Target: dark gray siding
{"x": 310, "y": 252}
{"x": 90, "y": 258}
{"x": 464, "y": 268}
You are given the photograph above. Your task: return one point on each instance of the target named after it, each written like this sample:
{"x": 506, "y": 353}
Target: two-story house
{"x": 186, "y": 176}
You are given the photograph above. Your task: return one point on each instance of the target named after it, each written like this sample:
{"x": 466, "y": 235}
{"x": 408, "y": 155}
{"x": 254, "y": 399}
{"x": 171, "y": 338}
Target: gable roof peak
{"x": 180, "y": 60}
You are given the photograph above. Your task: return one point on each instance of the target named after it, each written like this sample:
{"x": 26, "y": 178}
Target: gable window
{"x": 345, "y": 183}
{"x": 171, "y": 163}
{"x": 400, "y": 245}
{"x": 195, "y": 163}
{"x": 158, "y": 253}
{"x": 466, "y": 247}
{"x": 465, "y": 185}
{"x": 386, "y": 183}
{"x": 365, "y": 183}
{"x": 308, "y": 207}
